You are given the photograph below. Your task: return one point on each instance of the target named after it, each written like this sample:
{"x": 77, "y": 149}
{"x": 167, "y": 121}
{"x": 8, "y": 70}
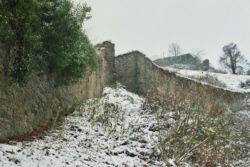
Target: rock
{"x": 153, "y": 128}
{"x": 143, "y": 141}
{"x": 125, "y": 143}
{"x": 16, "y": 161}
{"x": 130, "y": 153}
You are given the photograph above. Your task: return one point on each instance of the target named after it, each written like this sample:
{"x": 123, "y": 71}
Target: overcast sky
{"x": 150, "y": 26}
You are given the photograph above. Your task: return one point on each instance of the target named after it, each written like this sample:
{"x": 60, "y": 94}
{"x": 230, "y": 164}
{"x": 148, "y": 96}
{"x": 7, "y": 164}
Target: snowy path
{"x": 124, "y": 138}
{"x": 115, "y": 130}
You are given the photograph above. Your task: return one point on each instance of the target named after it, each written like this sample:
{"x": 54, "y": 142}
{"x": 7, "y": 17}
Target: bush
{"x": 45, "y": 35}
{"x": 66, "y": 49}
{"x": 19, "y": 36}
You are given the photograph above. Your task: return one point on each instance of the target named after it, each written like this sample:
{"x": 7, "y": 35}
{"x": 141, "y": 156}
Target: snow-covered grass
{"x": 193, "y": 132}
{"x": 111, "y": 131}
{"x": 123, "y": 129}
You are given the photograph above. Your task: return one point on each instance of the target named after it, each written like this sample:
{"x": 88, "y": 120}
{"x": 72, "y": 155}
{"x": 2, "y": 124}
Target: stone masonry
{"x": 139, "y": 75}
{"x": 37, "y": 104}
{"x": 106, "y": 50}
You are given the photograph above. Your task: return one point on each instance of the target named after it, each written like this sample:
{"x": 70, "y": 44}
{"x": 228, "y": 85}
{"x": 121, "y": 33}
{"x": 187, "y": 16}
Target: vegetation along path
{"x": 122, "y": 129}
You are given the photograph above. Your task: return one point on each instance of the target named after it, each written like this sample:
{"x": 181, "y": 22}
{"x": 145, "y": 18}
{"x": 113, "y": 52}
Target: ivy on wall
{"x": 47, "y": 36}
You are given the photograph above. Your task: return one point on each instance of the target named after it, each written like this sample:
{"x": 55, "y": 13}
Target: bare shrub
{"x": 200, "y": 127}
{"x": 213, "y": 80}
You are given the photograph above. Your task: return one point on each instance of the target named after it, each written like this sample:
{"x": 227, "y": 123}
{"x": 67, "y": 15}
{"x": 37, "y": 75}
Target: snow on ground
{"x": 232, "y": 82}
{"x": 113, "y": 131}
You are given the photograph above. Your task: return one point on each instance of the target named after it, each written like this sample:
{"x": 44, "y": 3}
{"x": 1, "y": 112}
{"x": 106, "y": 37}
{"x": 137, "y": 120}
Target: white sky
{"x": 150, "y": 26}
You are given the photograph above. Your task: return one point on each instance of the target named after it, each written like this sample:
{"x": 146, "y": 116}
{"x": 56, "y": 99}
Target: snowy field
{"x": 232, "y": 82}
{"x": 87, "y": 139}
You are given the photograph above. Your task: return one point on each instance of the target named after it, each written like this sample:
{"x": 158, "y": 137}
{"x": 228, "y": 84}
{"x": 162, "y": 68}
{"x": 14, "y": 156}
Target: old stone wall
{"x": 107, "y": 50}
{"x": 138, "y": 74}
{"x": 127, "y": 71}
{"x": 37, "y": 104}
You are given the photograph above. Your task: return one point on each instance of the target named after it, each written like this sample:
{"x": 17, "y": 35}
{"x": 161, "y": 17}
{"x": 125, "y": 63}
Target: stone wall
{"x": 126, "y": 71}
{"x": 37, "y": 104}
{"x": 138, "y": 74}
{"x": 107, "y": 50}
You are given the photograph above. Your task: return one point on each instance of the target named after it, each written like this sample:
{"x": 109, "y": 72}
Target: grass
{"x": 102, "y": 112}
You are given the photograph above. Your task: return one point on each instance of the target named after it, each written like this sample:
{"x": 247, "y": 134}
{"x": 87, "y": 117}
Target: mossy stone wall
{"x": 27, "y": 108}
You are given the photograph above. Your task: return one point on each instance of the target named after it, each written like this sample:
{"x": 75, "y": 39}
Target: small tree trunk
{"x": 233, "y": 66}
{"x": 233, "y": 70}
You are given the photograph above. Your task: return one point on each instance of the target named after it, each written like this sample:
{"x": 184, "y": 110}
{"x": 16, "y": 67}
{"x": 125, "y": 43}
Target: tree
{"x": 232, "y": 58}
{"x": 206, "y": 63}
{"x": 174, "y": 49}
{"x": 45, "y": 35}
{"x": 67, "y": 50}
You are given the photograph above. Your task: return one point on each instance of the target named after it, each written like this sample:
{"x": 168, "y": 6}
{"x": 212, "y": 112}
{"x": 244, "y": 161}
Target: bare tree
{"x": 174, "y": 49}
{"x": 197, "y": 55}
{"x": 232, "y": 58}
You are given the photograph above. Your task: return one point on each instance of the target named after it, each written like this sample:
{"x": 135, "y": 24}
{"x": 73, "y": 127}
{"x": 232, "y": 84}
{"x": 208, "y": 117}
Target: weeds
{"x": 213, "y": 80}
{"x": 196, "y": 128}
{"x": 103, "y": 112}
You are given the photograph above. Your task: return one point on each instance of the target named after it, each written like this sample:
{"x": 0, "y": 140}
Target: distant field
{"x": 232, "y": 82}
